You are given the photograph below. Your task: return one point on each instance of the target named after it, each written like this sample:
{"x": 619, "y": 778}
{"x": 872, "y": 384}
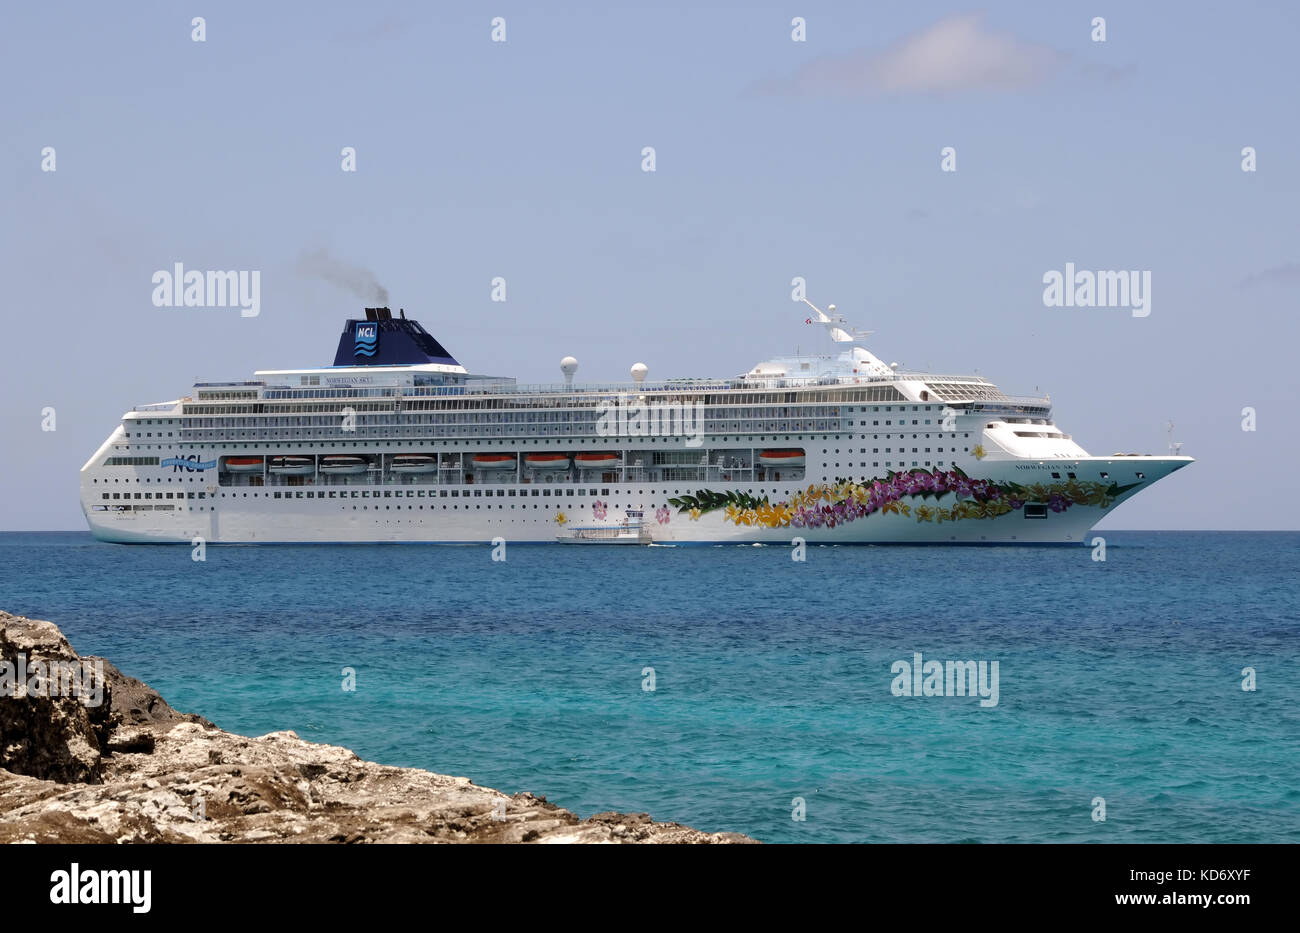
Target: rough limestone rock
{"x": 53, "y": 737}
{"x": 135, "y": 703}
{"x": 136, "y": 770}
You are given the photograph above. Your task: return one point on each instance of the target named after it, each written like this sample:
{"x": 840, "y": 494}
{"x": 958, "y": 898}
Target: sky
{"x": 774, "y": 159}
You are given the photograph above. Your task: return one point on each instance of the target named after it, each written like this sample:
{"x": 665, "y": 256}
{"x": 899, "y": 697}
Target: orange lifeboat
{"x": 540, "y": 461}
{"x": 781, "y": 458}
{"x": 243, "y": 464}
{"x": 597, "y": 461}
{"x": 494, "y": 461}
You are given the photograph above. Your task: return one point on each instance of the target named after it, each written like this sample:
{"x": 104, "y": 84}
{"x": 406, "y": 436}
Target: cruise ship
{"x": 397, "y": 441}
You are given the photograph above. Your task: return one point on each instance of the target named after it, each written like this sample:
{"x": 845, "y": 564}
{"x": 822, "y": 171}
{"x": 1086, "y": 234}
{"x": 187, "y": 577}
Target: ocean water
{"x": 1119, "y": 679}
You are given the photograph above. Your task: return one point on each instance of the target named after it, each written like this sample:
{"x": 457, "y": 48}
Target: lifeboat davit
{"x": 597, "y": 461}
{"x": 547, "y": 461}
{"x": 495, "y": 461}
{"x": 781, "y": 458}
{"x": 337, "y": 464}
{"x": 414, "y": 463}
{"x": 243, "y": 465}
{"x": 293, "y": 466}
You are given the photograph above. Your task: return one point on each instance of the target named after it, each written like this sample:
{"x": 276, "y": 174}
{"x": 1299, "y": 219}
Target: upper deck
{"x": 399, "y": 382}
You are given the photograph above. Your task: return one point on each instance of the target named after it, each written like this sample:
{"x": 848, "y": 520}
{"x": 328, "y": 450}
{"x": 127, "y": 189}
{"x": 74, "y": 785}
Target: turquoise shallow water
{"x": 1119, "y": 679}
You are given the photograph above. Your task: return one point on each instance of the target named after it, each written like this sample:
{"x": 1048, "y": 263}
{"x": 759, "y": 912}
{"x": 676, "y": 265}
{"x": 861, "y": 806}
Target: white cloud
{"x": 956, "y": 53}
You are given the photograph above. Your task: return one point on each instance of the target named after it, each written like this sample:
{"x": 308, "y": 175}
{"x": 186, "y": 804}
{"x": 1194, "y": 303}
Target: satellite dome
{"x": 639, "y": 371}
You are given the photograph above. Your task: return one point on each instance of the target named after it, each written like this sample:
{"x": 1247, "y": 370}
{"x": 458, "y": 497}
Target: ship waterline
{"x": 399, "y": 442}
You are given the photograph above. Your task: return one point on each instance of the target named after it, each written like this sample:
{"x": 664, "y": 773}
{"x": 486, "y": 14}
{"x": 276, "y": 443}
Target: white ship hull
{"x": 407, "y": 445}
{"x": 240, "y": 517}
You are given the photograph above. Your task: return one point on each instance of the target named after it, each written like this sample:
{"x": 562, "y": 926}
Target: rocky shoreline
{"x": 130, "y": 769}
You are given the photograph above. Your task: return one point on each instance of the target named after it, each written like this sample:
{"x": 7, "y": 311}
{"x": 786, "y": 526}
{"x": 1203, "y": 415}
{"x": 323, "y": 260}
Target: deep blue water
{"x": 1119, "y": 679}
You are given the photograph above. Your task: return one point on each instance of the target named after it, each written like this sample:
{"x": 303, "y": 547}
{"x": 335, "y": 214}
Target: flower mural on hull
{"x": 830, "y": 505}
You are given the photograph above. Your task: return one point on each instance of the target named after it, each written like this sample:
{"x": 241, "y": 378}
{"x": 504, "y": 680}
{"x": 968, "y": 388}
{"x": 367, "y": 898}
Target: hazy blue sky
{"x": 774, "y": 159}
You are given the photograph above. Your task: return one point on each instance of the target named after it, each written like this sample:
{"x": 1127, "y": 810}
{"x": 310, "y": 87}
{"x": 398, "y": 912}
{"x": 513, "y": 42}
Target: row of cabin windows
{"x": 386, "y": 494}
{"x": 150, "y": 495}
{"x": 1031, "y": 509}
{"x": 489, "y": 442}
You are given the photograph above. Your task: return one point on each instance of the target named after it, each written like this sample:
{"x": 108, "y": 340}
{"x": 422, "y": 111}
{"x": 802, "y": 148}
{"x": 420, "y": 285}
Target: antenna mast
{"x": 835, "y": 324}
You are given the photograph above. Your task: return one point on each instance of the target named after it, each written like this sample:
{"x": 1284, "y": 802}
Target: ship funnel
{"x": 382, "y": 340}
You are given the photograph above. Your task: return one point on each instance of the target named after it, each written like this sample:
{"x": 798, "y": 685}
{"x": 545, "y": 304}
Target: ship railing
{"x": 966, "y": 401}
{"x": 609, "y": 532}
{"x": 683, "y": 387}
{"x": 960, "y": 378}
{"x": 586, "y": 389}
{"x": 692, "y": 385}
{"x": 1011, "y": 401}
{"x": 566, "y": 431}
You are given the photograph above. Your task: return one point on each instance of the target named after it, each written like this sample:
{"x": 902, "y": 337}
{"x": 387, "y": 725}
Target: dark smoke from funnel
{"x": 358, "y": 280}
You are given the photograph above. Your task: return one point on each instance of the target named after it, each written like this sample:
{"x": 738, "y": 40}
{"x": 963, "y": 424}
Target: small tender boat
{"x": 414, "y": 463}
{"x": 293, "y": 466}
{"x": 493, "y": 461}
{"x": 597, "y": 461}
{"x": 631, "y": 531}
{"x": 546, "y": 461}
{"x": 781, "y": 458}
{"x": 342, "y": 464}
{"x": 243, "y": 465}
